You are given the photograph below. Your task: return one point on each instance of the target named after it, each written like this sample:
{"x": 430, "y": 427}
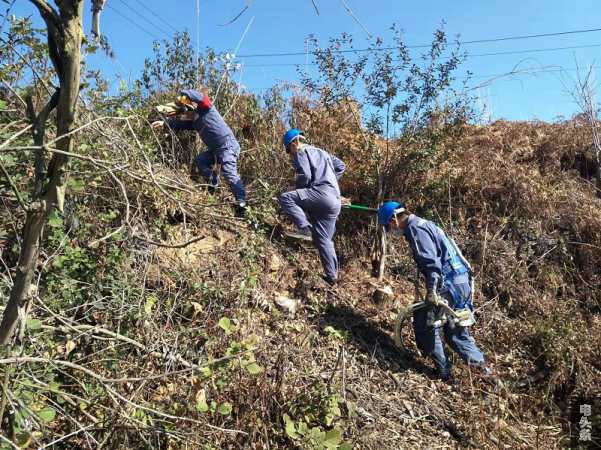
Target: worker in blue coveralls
{"x": 317, "y": 193}
{"x": 221, "y": 143}
{"x": 441, "y": 263}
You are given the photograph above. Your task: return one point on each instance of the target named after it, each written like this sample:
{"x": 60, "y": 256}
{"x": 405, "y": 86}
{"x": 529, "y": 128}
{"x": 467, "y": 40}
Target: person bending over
{"x": 222, "y": 146}
{"x": 446, "y": 276}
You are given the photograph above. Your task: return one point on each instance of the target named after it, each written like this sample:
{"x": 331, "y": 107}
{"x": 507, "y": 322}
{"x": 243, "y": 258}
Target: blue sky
{"x": 283, "y": 26}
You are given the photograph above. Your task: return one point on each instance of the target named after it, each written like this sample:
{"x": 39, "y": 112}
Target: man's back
{"x": 431, "y": 248}
{"x": 316, "y": 168}
{"x": 213, "y": 130}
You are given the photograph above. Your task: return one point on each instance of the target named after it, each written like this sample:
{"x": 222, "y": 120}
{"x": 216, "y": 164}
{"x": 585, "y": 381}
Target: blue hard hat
{"x": 385, "y": 213}
{"x": 290, "y": 135}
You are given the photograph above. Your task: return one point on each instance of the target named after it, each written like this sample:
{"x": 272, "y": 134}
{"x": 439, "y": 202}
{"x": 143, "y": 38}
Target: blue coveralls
{"x": 318, "y": 194}
{"x": 444, "y": 271}
{"x": 220, "y": 141}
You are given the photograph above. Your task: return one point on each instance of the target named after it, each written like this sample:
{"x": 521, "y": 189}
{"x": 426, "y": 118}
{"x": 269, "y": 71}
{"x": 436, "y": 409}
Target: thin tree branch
{"x": 29, "y": 64}
{"x": 14, "y": 122}
{"x": 227, "y": 66}
{"x": 315, "y": 6}
{"x": 236, "y": 18}
{"x": 119, "y": 337}
{"x": 10, "y": 443}
{"x": 55, "y": 38}
{"x": 354, "y": 17}
{"x": 484, "y": 83}
{"x": 85, "y": 126}
{"x": 103, "y": 164}
{"x": 108, "y": 236}
{"x": 14, "y": 92}
{"x": 6, "y": 15}
{"x": 105, "y": 383}
{"x": 14, "y": 136}
{"x": 158, "y": 244}
{"x": 11, "y": 183}
{"x": 5, "y": 385}
{"x": 39, "y": 130}
{"x": 68, "y": 435}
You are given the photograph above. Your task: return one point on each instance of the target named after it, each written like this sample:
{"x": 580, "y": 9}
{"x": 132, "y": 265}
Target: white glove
{"x": 157, "y": 125}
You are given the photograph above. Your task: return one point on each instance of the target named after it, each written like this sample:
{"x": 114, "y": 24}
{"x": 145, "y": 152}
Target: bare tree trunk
{"x": 598, "y": 180}
{"x": 381, "y": 235}
{"x": 65, "y": 38}
{"x": 598, "y": 155}
{"x": 379, "y": 243}
{"x": 594, "y": 126}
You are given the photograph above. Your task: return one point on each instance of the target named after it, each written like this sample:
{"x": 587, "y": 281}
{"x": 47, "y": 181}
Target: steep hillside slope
{"x": 163, "y": 321}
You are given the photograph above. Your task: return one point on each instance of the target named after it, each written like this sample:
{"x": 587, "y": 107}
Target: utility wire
{"x": 534, "y": 50}
{"x": 529, "y": 73}
{"x": 474, "y": 76}
{"x": 129, "y": 20}
{"x": 478, "y": 41}
{"x": 376, "y": 49}
{"x": 157, "y": 16}
{"x": 137, "y": 13}
{"x": 449, "y": 57}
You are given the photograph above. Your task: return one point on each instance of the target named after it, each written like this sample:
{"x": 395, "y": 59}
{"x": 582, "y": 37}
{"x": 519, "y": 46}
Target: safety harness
{"x": 451, "y": 269}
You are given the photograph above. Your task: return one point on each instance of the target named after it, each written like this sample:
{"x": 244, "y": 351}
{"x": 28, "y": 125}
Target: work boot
{"x": 446, "y": 377}
{"x": 241, "y": 208}
{"x": 484, "y": 372}
{"x": 303, "y": 234}
{"x": 213, "y": 189}
{"x": 332, "y": 282}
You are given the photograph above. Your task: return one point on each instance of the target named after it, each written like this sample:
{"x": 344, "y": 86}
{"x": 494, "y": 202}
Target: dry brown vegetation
{"x": 137, "y": 340}
{"x": 521, "y": 209}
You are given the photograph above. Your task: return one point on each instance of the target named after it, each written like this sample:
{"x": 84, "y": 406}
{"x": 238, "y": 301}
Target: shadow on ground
{"x": 375, "y": 342}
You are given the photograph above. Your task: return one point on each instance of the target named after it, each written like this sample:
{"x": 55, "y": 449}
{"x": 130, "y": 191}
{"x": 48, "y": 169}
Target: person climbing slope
{"x": 317, "y": 193}
{"x": 446, "y": 276}
{"x": 222, "y": 146}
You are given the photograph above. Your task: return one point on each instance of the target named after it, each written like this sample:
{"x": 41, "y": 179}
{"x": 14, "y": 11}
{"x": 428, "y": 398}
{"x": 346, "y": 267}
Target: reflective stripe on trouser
{"x": 205, "y": 162}
{"x": 323, "y": 208}
{"x": 459, "y": 339}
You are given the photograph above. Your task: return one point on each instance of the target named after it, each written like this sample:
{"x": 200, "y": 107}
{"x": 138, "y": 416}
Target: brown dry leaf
{"x": 201, "y": 396}
{"x": 69, "y": 347}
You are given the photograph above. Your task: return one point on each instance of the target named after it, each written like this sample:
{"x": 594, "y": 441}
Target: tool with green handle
{"x": 360, "y": 208}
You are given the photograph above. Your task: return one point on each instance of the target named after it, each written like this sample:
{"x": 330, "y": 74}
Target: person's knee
{"x": 229, "y": 170}
{"x": 286, "y": 200}
{"x": 326, "y": 247}
{"x": 283, "y": 200}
